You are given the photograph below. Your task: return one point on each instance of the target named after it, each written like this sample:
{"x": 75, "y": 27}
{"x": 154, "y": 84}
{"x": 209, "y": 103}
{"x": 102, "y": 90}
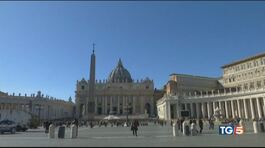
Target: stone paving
{"x": 148, "y": 136}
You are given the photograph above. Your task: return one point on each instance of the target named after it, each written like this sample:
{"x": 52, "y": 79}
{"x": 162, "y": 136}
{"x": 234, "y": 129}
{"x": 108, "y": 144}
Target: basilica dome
{"x": 119, "y": 74}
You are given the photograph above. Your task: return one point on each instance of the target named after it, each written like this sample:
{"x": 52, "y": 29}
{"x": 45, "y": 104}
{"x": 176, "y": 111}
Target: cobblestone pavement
{"x": 148, "y": 136}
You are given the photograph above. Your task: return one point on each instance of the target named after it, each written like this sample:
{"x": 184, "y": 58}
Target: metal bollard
{"x": 51, "y": 131}
{"x": 61, "y": 132}
{"x": 73, "y": 133}
{"x": 175, "y": 129}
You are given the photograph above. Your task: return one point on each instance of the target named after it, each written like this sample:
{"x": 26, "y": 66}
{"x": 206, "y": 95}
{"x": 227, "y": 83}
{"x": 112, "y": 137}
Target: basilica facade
{"x": 118, "y": 95}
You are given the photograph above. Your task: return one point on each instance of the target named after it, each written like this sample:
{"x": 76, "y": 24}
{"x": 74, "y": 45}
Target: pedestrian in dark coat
{"x": 134, "y": 127}
{"x": 46, "y": 126}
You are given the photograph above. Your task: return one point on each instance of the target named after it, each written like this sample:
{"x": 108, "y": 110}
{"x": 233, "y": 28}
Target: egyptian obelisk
{"x": 91, "y": 90}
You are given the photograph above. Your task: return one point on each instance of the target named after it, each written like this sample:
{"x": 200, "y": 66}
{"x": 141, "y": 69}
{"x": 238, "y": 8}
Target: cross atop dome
{"x": 120, "y": 63}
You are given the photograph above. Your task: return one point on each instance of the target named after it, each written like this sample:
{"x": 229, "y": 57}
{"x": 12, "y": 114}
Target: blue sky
{"x": 47, "y": 45}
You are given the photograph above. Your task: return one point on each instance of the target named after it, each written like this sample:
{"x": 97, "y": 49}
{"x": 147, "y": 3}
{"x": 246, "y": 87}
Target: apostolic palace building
{"x": 240, "y": 92}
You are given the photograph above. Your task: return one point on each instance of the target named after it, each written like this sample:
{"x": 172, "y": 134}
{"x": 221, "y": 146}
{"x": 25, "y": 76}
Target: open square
{"x": 148, "y": 136}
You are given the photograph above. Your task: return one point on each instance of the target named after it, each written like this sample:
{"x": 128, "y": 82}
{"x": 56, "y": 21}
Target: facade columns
{"x": 118, "y": 107}
{"x": 252, "y": 109}
{"x": 232, "y": 108}
{"x": 259, "y": 109}
{"x": 133, "y": 104}
{"x": 245, "y": 108}
{"x": 110, "y": 104}
{"x": 106, "y": 105}
{"x": 96, "y": 105}
{"x": 123, "y": 105}
{"x": 238, "y": 109}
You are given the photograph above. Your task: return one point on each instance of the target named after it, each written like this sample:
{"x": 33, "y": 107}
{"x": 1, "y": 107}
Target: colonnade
{"x": 248, "y": 108}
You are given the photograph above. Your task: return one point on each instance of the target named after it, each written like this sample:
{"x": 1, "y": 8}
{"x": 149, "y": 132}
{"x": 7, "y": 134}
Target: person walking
{"x": 134, "y": 127}
{"x": 201, "y": 125}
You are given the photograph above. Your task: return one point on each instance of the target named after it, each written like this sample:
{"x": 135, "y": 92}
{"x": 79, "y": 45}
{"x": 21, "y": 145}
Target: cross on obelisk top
{"x": 94, "y": 47}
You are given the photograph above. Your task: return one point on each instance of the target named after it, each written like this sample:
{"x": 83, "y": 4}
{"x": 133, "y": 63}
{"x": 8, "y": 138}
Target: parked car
{"x": 22, "y": 128}
{"x": 8, "y": 126}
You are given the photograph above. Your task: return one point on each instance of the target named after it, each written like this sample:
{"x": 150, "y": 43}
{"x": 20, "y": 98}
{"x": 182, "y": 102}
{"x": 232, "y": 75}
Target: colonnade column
{"x": 191, "y": 110}
{"x": 226, "y": 110}
{"x": 252, "y": 109}
{"x": 263, "y": 106}
{"x": 238, "y": 109}
{"x": 220, "y": 106}
{"x": 213, "y": 107}
{"x": 203, "y": 110}
{"x": 168, "y": 111}
{"x": 208, "y": 109}
{"x": 258, "y": 107}
{"x": 232, "y": 108}
{"x": 186, "y": 106}
{"x": 197, "y": 110}
{"x": 245, "y": 108}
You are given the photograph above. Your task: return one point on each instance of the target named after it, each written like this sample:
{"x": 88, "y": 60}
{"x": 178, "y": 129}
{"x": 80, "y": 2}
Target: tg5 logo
{"x": 230, "y": 130}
